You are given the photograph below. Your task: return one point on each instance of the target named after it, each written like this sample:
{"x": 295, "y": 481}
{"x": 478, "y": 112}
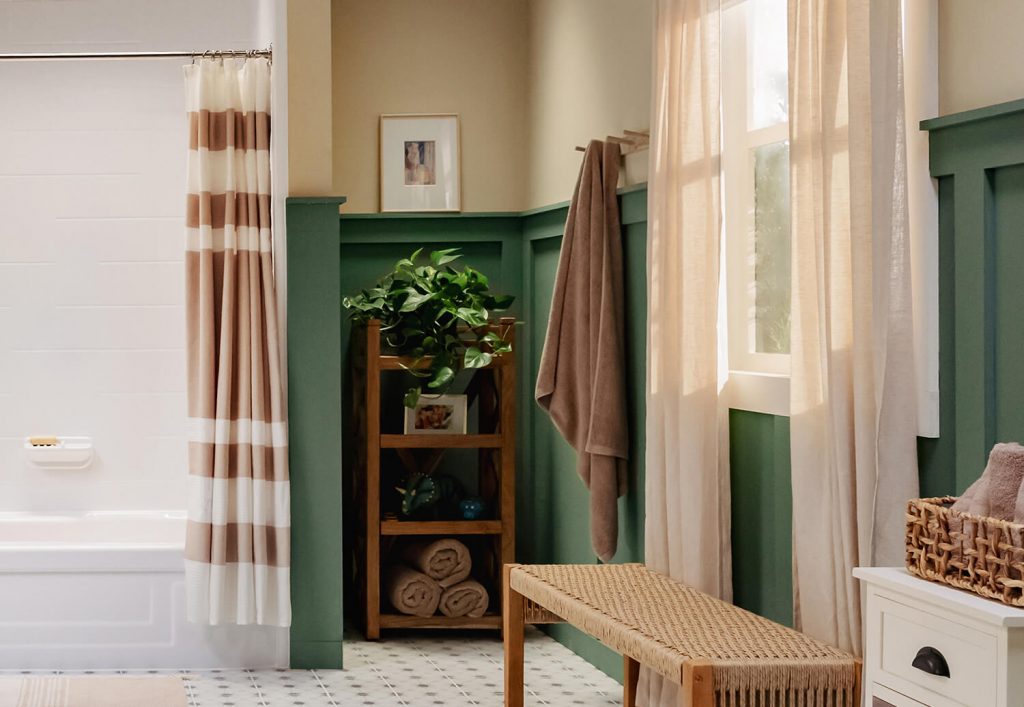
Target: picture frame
{"x": 437, "y": 415}
{"x": 420, "y": 163}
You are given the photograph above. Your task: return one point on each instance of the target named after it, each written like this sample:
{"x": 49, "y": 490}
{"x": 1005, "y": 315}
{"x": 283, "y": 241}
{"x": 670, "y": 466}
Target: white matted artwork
{"x": 420, "y": 163}
{"x": 437, "y": 415}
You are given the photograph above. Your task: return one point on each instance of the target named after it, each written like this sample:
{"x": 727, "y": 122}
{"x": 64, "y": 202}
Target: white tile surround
{"x": 91, "y": 279}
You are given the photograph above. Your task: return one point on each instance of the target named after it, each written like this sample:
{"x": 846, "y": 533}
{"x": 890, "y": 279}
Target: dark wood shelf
{"x": 487, "y": 621}
{"x": 420, "y": 441}
{"x": 393, "y": 526}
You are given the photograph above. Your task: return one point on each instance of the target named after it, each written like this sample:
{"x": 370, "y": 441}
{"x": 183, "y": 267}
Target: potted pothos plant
{"x": 437, "y": 312}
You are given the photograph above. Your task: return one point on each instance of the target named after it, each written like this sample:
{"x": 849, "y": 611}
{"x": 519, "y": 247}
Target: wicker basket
{"x": 979, "y": 554}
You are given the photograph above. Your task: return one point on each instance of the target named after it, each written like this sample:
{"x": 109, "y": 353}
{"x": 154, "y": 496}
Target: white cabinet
{"x": 931, "y": 645}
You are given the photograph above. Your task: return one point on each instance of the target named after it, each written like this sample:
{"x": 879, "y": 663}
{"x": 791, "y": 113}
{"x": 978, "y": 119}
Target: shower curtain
{"x": 238, "y": 538}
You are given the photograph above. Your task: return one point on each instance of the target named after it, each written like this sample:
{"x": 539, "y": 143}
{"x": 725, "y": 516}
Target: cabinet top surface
{"x": 898, "y": 580}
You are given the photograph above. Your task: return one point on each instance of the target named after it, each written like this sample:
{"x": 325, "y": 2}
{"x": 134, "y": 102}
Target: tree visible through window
{"x": 756, "y": 185}
{"x": 771, "y": 248}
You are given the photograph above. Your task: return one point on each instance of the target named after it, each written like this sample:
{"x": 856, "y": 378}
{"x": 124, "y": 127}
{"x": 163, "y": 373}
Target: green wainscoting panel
{"x": 314, "y": 413}
{"x": 978, "y": 159}
{"x": 554, "y": 524}
{"x": 762, "y": 514}
{"x": 331, "y": 255}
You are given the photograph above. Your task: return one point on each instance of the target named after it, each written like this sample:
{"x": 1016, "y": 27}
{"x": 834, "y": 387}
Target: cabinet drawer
{"x": 971, "y": 657}
{"x": 882, "y": 696}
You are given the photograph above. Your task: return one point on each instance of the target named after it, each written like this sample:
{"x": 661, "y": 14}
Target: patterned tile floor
{"x": 414, "y": 671}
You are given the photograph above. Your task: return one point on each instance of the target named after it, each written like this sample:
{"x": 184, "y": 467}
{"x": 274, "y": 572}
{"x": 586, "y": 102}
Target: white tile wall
{"x": 92, "y": 160}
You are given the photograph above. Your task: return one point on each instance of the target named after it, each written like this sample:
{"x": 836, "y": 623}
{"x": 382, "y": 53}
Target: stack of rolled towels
{"x": 433, "y": 576}
{"x": 999, "y": 493}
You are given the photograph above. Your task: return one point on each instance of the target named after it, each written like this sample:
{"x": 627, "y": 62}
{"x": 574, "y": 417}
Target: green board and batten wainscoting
{"x": 978, "y": 159}
{"x": 554, "y": 525}
{"x": 329, "y": 255}
{"x": 314, "y": 427}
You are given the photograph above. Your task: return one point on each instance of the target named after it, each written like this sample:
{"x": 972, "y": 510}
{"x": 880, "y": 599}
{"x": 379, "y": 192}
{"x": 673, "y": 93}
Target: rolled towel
{"x": 996, "y": 493}
{"x": 412, "y": 592}
{"x": 468, "y": 598}
{"x": 446, "y": 561}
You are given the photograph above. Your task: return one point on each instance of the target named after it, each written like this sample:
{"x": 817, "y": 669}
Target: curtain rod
{"x": 268, "y": 53}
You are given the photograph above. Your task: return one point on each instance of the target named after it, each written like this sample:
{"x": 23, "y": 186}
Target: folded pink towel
{"x": 411, "y": 592}
{"x": 468, "y": 598}
{"x": 997, "y": 493}
{"x": 446, "y": 561}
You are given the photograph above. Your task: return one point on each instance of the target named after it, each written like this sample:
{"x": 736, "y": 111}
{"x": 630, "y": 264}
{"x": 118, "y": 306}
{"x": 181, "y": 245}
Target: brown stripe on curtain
{"x": 238, "y": 542}
{"x": 206, "y": 209}
{"x": 227, "y": 335}
{"x": 220, "y": 129}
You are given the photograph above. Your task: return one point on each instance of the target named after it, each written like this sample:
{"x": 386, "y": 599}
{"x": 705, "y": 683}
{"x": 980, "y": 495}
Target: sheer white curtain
{"x": 687, "y": 479}
{"x": 852, "y": 389}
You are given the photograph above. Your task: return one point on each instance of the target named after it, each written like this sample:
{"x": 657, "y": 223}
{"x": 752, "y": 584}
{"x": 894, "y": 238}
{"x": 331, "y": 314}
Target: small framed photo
{"x": 420, "y": 163}
{"x": 437, "y": 415}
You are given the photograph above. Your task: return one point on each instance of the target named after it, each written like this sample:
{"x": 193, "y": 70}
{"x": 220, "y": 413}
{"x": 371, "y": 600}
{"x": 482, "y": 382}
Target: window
{"x": 755, "y": 135}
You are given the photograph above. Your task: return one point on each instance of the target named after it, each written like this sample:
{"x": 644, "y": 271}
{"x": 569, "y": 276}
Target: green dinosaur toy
{"x": 424, "y": 494}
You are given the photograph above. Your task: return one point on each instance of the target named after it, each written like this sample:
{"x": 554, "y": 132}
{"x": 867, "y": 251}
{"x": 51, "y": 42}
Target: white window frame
{"x": 760, "y": 382}
{"x": 757, "y": 381}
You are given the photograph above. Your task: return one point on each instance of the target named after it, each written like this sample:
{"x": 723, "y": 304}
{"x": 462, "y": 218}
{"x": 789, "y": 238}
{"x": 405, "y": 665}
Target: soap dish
{"x": 59, "y": 452}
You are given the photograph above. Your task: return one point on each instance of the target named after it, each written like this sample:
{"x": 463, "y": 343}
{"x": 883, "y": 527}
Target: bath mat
{"x": 92, "y": 691}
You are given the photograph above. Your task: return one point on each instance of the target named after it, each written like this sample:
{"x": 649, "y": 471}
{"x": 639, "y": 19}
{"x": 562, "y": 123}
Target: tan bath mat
{"x": 92, "y": 691}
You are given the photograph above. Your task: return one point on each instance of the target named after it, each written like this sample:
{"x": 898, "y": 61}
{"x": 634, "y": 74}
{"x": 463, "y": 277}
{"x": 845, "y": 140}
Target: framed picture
{"x": 420, "y": 163}
{"x": 437, "y": 415}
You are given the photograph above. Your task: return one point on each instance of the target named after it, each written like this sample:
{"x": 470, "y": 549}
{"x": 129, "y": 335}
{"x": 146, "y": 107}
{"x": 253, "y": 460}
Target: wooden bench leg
{"x": 698, "y": 689}
{"x": 513, "y": 610}
{"x": 857, "y": 682}
{"x": 631, "y": 676}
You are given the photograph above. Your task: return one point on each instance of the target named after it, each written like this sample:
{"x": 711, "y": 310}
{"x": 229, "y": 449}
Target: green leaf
{"x": 475, "y": 358}
{"x": 442, "y": 376}
{"x": 502, "y": 302}
{"x": 412, "y": 396}
{"x": 415, "y": 300}
{"x": 443, "y": 257}
{"x": 473, "y": 317}
{"x": 410, "y": 262}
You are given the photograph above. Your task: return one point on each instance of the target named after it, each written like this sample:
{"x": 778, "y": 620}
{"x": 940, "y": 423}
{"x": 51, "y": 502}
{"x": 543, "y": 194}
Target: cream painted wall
{"x": 436, "y": 56}
{"x": 981, "y": 53}
{"x": 590, "y": 76}
{"x": 310, "y": 113}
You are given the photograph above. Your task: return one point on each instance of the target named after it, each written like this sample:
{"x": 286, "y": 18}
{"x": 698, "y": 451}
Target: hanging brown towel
{"x": 582, "y": 377}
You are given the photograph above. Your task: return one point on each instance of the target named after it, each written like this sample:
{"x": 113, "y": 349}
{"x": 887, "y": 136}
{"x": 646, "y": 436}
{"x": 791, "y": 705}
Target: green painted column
{"x": 314, "y": 424}
{"x": 978, "y": 157}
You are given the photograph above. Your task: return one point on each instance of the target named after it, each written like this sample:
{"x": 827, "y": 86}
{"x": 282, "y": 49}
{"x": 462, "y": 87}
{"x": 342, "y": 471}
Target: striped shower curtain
{"x": 237, "y": 544}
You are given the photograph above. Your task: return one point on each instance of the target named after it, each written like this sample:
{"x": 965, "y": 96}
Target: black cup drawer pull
{"x": 930, "y": 661}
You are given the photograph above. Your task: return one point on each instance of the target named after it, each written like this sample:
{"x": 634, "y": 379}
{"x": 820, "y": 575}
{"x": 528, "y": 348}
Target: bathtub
{"x": 106, "y": 590}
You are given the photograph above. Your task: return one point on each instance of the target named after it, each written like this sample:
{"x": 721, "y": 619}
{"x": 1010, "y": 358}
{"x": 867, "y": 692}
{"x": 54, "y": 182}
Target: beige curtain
{"x": 853, "y": 399}
{"x": 237, "y": 546}
{"x": 687, "y": 479}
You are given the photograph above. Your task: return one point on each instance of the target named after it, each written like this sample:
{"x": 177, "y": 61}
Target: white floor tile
{"x": 417, "y": 671}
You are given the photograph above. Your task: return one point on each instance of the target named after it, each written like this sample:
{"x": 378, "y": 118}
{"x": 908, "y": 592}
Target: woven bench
{"x": 718, "y": 653}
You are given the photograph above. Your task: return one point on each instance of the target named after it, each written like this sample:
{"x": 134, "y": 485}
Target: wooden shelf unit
{"x": 394, "y": 526}
{"x": 494, "y": 391}
{"x": 487, "y": 621}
